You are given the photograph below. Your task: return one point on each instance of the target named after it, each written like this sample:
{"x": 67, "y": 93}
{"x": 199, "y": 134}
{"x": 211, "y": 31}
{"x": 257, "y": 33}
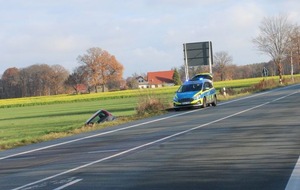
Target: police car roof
{"x": 196, "y": 81}
{"x": 203, "y": 76}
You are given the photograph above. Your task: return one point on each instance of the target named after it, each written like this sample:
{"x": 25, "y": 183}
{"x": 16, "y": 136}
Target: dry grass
{"x": 150, "y": 105}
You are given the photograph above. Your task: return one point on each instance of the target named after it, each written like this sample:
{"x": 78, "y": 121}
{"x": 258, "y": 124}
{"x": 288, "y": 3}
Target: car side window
{"x": 207, "y": 85}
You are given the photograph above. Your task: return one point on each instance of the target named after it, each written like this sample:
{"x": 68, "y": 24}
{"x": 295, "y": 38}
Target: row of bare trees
{"x": 42, "y": 79}
{"x": 280, "y": 40}
{"x": 35, "y": 80}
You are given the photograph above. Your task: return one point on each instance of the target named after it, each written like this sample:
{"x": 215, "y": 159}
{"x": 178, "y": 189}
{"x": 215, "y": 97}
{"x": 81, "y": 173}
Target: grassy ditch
{"x": 30, "y": 120}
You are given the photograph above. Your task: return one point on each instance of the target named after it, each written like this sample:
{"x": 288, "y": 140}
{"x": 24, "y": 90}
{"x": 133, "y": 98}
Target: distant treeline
{"x": 42, "y": 79}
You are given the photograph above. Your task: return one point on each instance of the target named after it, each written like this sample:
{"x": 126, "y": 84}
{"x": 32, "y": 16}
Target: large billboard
{"x": 198, "y": 53}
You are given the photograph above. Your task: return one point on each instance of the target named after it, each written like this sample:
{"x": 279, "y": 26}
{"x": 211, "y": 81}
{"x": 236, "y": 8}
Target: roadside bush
{"x": 149, "y": 105}
{"x": 262, "y": 85}
{"x": 290, "y": 80}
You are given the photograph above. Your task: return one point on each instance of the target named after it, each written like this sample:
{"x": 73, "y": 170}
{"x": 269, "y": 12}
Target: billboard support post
{"x": 186, "y": 66}
{"x": 210, "y": 58}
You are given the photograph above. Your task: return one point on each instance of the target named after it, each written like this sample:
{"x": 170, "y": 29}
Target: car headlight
{"x": 175, "y": 99}
{"x": 197, "y": 97}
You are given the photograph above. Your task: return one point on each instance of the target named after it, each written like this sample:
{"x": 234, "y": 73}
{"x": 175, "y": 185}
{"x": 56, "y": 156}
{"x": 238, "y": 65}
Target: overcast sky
{"x": 144, "y": 35}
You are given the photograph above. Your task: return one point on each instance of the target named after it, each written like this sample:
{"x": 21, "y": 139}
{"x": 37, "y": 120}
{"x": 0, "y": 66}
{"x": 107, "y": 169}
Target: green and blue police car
{"x": 197, "y": 92}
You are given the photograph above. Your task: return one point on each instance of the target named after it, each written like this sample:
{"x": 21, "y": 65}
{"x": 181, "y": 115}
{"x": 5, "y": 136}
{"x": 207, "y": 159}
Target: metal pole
{"x": 210, "y": 56}
{"x": 186, "y": 63}
{"x": 292, "y": 67}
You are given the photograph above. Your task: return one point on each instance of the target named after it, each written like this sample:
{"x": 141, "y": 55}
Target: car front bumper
{"x": 195, "y": 103}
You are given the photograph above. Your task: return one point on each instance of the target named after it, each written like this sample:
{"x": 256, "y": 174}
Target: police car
{"x": 197, "y": 92}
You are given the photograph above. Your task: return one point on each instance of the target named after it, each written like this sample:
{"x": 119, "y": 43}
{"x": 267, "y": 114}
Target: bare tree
{"x": 294, "y": 47}
{"x": 78, "y": 77}
{"x": 41, "y": 75}
{"x": 25, "y": 82}
{"x": 10, "y": 82}
{"x": 222, "y": 61}
{"x": 35, "y": 80}
{"x": 2, "y": 95}
{"x": 273, "y": 39}
{"x": 59, "y": 75}
{"x": 132, "y": 82}
{"x": 101, "y": 67}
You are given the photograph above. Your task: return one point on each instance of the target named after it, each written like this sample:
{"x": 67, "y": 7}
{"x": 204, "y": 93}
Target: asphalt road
{"x": 248, "y": 143}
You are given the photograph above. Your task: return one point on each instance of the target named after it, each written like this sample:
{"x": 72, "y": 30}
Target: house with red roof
{"x": 160, "y": 78}
{"x": 156, "y": 79}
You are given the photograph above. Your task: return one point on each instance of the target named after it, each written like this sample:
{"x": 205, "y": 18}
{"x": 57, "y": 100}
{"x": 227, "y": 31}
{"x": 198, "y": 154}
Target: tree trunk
{"x": 279, "y": 67}
{"x": 103, "y": 88}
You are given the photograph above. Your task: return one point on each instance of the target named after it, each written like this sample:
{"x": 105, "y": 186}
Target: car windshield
{"x": 190, "y": 87}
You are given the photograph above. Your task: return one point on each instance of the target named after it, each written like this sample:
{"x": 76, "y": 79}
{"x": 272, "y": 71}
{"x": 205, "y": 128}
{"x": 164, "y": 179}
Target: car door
{"x": 208, "y": 90}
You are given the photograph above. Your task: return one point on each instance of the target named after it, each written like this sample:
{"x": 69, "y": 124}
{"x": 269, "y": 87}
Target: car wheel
{"x": 204, "y": 103}
{"x": 214, "y": 103}
{"x": 176, "y": 109}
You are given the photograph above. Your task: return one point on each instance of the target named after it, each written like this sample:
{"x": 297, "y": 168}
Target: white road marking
{"x": 148, "y": 144}
{"x": 68, "y": 184}
{"x": 294, "y": 181}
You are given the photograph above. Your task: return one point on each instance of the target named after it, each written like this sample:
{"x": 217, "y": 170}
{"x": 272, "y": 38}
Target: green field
{"x": 22, "y": 125}
{"x": 30, "y": 120}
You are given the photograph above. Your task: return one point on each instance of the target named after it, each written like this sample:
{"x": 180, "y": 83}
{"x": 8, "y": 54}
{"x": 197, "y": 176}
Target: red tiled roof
{"x": 160, "y": 77}
{"x": 81, "y": 87}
